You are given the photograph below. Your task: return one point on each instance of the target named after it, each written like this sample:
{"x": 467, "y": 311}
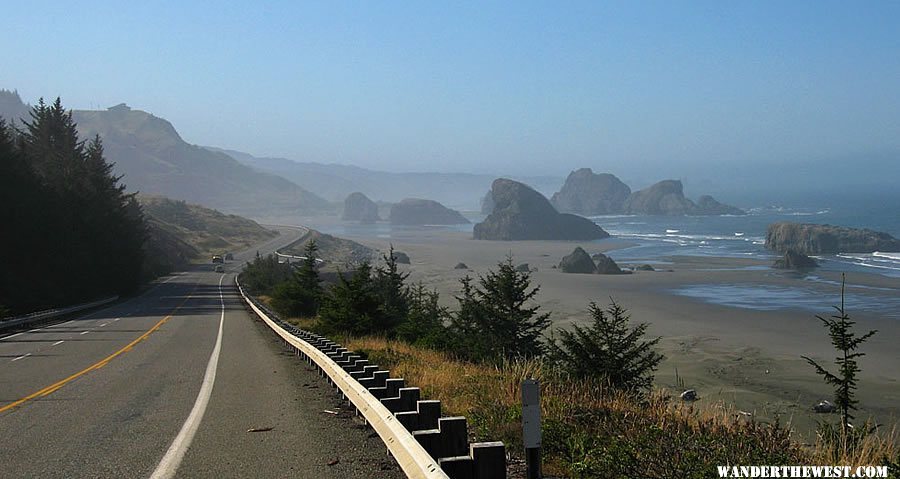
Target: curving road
{"x": 168, "y": 384}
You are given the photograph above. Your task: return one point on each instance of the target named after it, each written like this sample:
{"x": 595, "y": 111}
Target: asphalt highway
{"x": 178, "y": 382}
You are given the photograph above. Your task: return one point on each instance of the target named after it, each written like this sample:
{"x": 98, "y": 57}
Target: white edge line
{"x": 168, "y": 466}
{"x": 21, "y": 357}
{"x": 58, "y": 342}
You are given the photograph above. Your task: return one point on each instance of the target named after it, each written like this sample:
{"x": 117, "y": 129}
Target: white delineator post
{"x": 531, "y": 427}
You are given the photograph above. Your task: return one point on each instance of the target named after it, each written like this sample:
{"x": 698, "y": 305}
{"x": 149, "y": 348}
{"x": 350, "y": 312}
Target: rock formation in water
{"x": 587, "y": 193}
{"x": 358, "y": 207}
{"x": 795, "y": 260}
{"x": 415, "y": 211}
{"x": 663, "y": 198}
{"x": 812, "y": 239}
{"x": 521, "y": 213}
{"x": 667, "y": 198}
{"x": 707, "y": 205}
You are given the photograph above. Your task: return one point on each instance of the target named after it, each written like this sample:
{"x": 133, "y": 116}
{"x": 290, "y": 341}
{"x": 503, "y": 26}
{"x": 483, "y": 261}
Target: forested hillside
{"x": 69, "y": 230}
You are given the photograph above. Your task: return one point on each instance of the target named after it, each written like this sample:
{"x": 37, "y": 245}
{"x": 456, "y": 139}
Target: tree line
{"x": 69, "y": 232}
{"x": 496, "y": 319}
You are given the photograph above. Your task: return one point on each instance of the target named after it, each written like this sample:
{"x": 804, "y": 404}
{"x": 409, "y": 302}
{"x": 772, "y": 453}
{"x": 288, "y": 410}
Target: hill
{"x": 203, "y": 230}
{"x": 153, "y": 159}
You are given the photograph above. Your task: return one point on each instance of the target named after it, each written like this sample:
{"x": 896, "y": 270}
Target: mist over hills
{"x": 154, "y": 159}
{"x": 336, "y": 181}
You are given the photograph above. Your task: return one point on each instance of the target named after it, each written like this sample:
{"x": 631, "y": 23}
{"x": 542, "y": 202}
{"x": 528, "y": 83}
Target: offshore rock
{"x": 521, "y": 213}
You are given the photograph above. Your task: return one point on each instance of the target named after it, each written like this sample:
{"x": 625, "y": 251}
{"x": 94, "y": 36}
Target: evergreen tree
{"x": 495, "y": 319}
{"x": 352, "y": 306}
{"x": 80, "y": 234}
{"x": 845, "y": 341}
{"x": 301, "y": 295}
{"x": 609, "y": 350}
{"x": 424, "y": 324}
{"x": 390, "y": 285}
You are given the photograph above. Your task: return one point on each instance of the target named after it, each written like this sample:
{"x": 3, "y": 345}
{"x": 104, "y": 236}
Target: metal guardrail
{"x": 410, "y": 455}
{"x": 52, "y": 313}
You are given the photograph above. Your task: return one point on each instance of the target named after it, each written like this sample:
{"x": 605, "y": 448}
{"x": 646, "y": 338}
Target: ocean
{"x": 656, "y": 239}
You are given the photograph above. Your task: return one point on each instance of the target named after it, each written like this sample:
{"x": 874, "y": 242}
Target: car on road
{"x": 229, "y": 257}
{"x": 217, "y": 259}
{"x": 219, "y": 269}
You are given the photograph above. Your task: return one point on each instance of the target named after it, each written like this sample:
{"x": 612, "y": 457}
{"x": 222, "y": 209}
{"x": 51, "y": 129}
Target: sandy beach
{"x": 746, "y": 358}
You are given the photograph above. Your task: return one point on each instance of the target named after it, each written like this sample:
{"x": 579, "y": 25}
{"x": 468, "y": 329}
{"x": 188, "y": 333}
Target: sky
{"x": 539, "y": 88}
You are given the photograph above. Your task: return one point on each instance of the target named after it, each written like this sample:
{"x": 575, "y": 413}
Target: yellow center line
{"x": 99, "y": 364}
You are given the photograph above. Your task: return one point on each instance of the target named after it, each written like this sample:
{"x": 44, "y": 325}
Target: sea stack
{"x": 587, "y": 193}
{"x": 358, "y": 207}
{"x": 521, "y": 213}
{"x": 667, "y": 198}
{"x": 415, "y": 211}
{"x": 812, "y": 239}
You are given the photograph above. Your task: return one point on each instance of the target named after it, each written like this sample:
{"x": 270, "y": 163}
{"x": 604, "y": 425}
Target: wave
{"x": 739, "y": 234}
{"x": 894, "y": 256}
{"x": 672, "y": 231}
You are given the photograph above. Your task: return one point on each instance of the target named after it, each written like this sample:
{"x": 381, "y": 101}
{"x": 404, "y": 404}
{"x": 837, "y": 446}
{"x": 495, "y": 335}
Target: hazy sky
{"x": 517, "y": 87}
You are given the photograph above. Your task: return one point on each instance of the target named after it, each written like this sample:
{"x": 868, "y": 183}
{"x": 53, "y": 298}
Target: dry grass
{"x": 588, "y": 429}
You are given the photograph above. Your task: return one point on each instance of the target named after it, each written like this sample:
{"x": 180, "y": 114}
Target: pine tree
{"x": 390, "y": 285}
{"x": 494, "y": 318}
{"x": 302, "y": 295}
{"x": 424, "y": 323}
{"x": 352, "y": 306}
{"x": 608, "y": 350}
{"x": 845, "y": 341}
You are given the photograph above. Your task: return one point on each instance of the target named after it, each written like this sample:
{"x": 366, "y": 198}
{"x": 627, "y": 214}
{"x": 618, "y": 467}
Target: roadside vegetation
{"x": 601, "y": 416}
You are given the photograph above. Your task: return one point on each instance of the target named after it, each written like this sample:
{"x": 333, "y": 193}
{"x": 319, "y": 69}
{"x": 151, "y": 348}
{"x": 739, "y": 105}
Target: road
{"x": 169, "y": 384}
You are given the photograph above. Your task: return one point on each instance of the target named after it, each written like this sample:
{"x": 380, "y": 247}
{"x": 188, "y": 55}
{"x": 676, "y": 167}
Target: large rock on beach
{"x": 578, "y": 261}
{"x": 812, "y": 239}
{"x": 606, "y": 265}
{"x": 415, "y": 211}
{"x": 587, "y": 193}
{"x": 487, "y": 203}
{"x": 521, "y": 213}
{"x": 358, "y": 207}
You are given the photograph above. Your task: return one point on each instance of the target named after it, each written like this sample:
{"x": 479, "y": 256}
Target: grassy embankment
{"x": 208, "y": 231}
{"x": 589, "y": 431}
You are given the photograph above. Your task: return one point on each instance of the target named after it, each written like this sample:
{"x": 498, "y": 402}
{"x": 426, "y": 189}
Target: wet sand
{"x": 746, "y": 358}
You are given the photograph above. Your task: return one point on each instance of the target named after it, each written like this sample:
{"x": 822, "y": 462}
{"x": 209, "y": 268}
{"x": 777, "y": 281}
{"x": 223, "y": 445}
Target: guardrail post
{"x": 429, "y": 413}
{"x": 454, "y": 436}
{"x": 489, "y": 460}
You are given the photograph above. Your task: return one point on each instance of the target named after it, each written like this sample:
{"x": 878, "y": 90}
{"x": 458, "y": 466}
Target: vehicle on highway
{"x": 217, "y": 259}
{"x": 229, "y": 257}
{"x": 219, "y": 269}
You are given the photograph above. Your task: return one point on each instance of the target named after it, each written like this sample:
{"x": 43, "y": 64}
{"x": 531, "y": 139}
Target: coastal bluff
{"x": 812, "y": 239}
{"x": 521, "y": 213}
